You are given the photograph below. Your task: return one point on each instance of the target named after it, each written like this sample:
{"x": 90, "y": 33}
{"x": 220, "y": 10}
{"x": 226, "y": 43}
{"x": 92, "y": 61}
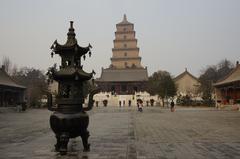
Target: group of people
{"x": 140, "y": 105}
{"x": 122, "y": 103}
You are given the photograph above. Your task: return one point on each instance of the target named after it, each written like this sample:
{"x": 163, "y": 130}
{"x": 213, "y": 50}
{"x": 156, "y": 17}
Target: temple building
{"x": 126, "y": 74}
{"x": 11, "y": 93}
{"x": 187, "y": 84}
{"x": 227, "y": 90}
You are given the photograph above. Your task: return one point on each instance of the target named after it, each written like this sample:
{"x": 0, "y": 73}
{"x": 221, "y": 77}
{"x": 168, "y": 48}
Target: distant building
{"x": 11, "y": 93}
{"x": 53, "y": 87}
{"x": 125, "y": 75}
{"x": 227, "y": 90}
{"x": 187, "y": 84}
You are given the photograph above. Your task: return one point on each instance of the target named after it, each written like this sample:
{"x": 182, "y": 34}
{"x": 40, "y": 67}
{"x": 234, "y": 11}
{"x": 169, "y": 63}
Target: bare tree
{"x": 36, "y": 83}
{"x": 224, "y": 67}
{"x": 14, "y": 70}
{"x": 7, "y": 63}
{"x": 211, "y": 75}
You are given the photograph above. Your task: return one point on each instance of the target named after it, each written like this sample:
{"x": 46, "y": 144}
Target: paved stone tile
{"x": 124, "y": 133}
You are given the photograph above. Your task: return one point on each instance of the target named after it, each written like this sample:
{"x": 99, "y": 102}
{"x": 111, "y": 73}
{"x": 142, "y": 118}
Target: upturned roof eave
{"x": 221, "y": 81}
{"x": 8, "y": 80}
{"x": 15, "y": 86}
{"x": 132, "y": 77}
{"x": 225, "y": 83}
{"x": 74, "y": 48}
{"x": 81, "y": 74}
{"x": 71, "y": 76}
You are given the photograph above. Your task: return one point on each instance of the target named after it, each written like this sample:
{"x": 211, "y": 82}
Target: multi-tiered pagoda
{"x": 125, "y": 75}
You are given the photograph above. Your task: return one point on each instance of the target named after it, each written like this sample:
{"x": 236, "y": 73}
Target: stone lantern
{"x": 69, "y": 119}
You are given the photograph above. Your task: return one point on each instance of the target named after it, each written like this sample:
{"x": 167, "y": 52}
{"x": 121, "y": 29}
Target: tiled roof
{"x": 233, "y": 76}
{"x": 72, "y": 72}
{"x": 183, "y": 74}
{"x": 125, "y": 21}
{"x": 123, "y": 75}
{"x": 6, "y": 80}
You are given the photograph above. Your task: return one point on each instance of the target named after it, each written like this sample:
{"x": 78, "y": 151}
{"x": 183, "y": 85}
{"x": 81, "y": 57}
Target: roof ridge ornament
{"x": 71, "y": 40}
{"x": 124, "y": 17}
{"x": 71, "y": 24}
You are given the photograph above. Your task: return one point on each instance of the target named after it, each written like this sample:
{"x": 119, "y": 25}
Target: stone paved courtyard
{"x": 119, "y": 133}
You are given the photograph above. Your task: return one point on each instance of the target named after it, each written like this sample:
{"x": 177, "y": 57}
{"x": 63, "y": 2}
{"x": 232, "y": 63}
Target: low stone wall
{"x": 113, "y": 100}
{"x": 235, "y": 107}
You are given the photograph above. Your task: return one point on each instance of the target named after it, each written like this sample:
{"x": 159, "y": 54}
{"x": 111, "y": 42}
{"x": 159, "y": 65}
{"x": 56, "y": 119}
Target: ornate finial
{"x": 71, "y": 35}
{"x": 124, "y": 17}
{"x": 93, "y": 72}
{"x": 71, "y": 24}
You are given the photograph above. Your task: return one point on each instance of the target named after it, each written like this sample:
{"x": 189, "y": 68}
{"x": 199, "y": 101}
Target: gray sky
{"x": 172, "y": 34}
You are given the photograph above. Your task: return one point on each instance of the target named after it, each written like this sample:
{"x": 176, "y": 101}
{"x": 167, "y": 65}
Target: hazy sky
{"x": 172, "y": 34}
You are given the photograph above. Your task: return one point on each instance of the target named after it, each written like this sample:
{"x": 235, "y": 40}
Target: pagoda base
{"x": 67, "y": 126}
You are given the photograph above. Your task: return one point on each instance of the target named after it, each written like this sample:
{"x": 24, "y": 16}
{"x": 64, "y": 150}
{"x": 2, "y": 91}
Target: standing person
{"x": 172, "y": 106}
{"x": 123, "y": 102}
{"x": 120, "y": 103}
{"x": 140, "y": 108}
{"x": 19, "y": 107}
{"x": 129, "y": 103}
{"x": 139, "y": 105}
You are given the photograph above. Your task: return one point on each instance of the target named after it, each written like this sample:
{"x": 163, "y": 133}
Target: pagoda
{"x": 126, "y": 74}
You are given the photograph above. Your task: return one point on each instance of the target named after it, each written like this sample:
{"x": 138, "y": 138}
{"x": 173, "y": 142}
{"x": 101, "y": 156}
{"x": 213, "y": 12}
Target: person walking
{"x": 140, "y": 105}
{"x": 172, "y": 106}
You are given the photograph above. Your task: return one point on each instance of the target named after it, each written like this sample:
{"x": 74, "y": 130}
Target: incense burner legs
{"x": 67, "y": 126}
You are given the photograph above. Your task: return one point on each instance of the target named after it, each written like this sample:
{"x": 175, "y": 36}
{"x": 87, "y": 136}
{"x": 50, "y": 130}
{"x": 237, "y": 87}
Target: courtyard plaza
{"x": 125, "y": 133}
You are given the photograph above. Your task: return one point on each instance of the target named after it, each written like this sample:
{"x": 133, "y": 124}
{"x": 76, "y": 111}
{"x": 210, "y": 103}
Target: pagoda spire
{"x": 71, "y": 40}
{"x": 124, "y": 18}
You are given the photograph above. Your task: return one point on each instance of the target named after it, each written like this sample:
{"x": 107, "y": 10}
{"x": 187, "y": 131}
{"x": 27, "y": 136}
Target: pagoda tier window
{"x": 68, "y": 63}
{"x": 124, "y": 37}
{"x": 77, "y": 62}
{"x": 125, "y": 53}
{"x": 65, "y": 90}
{"x": 125, "y": 45}
{"x": 124, "y": 29}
